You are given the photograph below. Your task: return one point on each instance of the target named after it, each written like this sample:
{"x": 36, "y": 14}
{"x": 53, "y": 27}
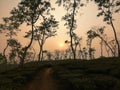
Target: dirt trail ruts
{"x": 43, "y": 81}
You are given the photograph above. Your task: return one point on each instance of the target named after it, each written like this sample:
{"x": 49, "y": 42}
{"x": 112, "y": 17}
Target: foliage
{"x": 107, "y": 9}
{"x": 90, "y": 75}
{"x": 2, "y": 58}
{"x": 46, "y": 30}
{"x": 72, "y": 8}
{"x": 30, "y": 12}
{"x": 98, "y": 32}
{"x": 13, "y": 77}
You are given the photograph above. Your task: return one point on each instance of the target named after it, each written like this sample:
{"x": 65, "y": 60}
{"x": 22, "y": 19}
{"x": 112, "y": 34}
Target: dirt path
{"x": 43, "y": 81}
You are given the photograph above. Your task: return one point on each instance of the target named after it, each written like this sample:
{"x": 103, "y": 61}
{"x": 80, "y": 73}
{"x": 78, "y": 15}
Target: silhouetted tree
{"x": 113, "y": 46}
{"x": 107, "y": 9}
{"x": 70, "y": 55}
{"x": 49, "y": 56}
{"x": 101, "y": 47}
{"x": 34, "y": 10}
{"x": 77, "y": 42}
{"x": 72, "y": 7}
{"x": 97, "y": 32}
{"x": 2, "y": 59}
{"x": 34, "y": 52}
{"x": 10, "y": 30}
{"x": 80, "y": 49}
{"x": 91, "y": 53}
{"x": 28, "y": 11}
{"x": 46, "y": 30}
{"x": 67, "y": 54}
{"x": 57, "y": 54}
{"x": 84, "y": 53}
{"x": 91, "y": 35}
{"x": 44, "y": 52}
{"x": 15, "y": 49}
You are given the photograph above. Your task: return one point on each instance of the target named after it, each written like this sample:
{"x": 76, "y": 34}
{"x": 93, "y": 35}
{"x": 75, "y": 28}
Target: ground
{"x": 43, "y": 81}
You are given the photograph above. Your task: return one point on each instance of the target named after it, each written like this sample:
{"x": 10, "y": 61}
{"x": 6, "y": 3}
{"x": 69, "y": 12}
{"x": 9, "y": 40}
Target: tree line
{"x": 31, "y": 12}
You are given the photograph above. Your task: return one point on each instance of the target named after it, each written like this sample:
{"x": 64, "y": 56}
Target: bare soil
{"x": 43, "y": 81}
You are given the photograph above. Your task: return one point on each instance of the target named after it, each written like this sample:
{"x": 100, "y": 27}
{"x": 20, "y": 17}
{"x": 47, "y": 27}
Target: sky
{"x": 85, "y": 20}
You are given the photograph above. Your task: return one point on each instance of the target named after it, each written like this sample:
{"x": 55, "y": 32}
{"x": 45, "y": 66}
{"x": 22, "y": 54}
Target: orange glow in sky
{"x": 61, "y": 44}
{"x": 85, "y": 20}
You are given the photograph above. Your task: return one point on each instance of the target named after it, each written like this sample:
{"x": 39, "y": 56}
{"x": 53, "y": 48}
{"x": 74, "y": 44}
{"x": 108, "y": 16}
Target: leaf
{"x": 118, "y": 3}
{"x": 82, "y": 4}
{"x": 59, "y": 2}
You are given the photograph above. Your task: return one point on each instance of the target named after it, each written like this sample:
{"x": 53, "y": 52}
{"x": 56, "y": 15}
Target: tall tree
{"x": 84, "y": 53}
{"x": 107, "y": 9}
{"x": 46, "y": 30}
{"x": 97, "y": 32}
{"x": 72, "y": 7}
{"x": 28, "y": 11}
{"x": 113, "y": 46}
{"x": 10, "y": 30}
{"x": 33, "y": 9}
{"x": 91, "y": 36}
{"x": 15, "y": 49}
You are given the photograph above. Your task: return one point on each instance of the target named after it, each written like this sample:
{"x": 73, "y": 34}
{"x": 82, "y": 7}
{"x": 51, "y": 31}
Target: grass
{"x": 100, "y": 74}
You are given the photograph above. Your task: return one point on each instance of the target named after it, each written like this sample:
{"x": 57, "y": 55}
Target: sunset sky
{"x": 86, "y": 19}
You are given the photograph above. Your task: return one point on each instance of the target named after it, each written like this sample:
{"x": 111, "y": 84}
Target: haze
{"x": 86, "y": 19}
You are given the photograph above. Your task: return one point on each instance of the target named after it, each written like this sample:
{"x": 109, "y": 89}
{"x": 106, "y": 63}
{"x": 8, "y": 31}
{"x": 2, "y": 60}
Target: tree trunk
{"x": 101, "y": 48}
{"x": 40, "y": 57}
{"x": 29, "y": 45}
{"x": 116, "y": 38}
{"x": 107, "y": 45}
{"x": 4, "y": 53}
{"x": 107, "y": 50}
{"x": 71, "y": 32}
{"x": 40, "y": 53}
{"x": 90, "y": 52}
{"x": 80, "y": 51}
{"x": 34, "y": 54}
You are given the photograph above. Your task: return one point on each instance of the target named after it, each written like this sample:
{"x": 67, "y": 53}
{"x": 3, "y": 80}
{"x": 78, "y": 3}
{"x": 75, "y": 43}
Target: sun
{"x": 61, "y": 44}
